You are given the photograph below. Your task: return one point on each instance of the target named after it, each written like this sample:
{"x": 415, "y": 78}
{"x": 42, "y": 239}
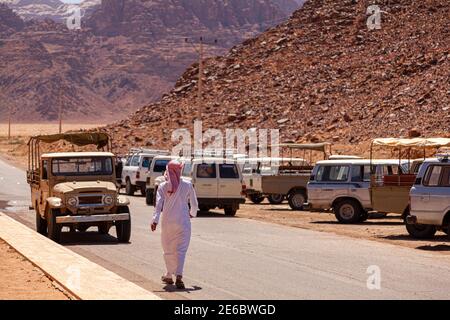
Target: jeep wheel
{"x": 364, "y": 216}
{"x": 276, "y": 198}
{"x": 103, "y": 228}
{"x": 297, "y": 200}
{"x": 41, "y": 224}
{"x": 123, "y": 228}
{"x": 54, "y": 230}
{"x": 129, "y": 189}
{"x": 149, "y": 197}
{"x": 256, "y": 198}
{"x": 421, "y": 231}
{"x": 347, "y": 211}
{"x": 230, "y": 211}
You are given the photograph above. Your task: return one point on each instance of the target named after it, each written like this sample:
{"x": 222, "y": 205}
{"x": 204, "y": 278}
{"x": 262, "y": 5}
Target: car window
{"x": 433, "y": 176}
{"x": 228, "y": 171}
{"x": 187, "y": 168}
{"x": 360, "y": 173}
{"x": 206, "y": 171}
{"x": 83, "y": 166}
{"x": 445, "y": 179}
{"x": 333, "y": 173}
{"x": 146, "y": 163}
{"x": 135, "y": 161}
{"x": 160, "y": 165}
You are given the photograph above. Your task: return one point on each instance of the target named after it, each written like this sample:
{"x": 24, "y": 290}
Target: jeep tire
{"x": 421, "y": 231}
{"x": 123, "y": 228}
{"x": 129, "y": 188}
{"x": 256, "y": 198}
{"x": 230, "y": 211}
{"x": 276, "y": 198}
{"x": 54, "y": 229}
{"x": 347, "y": 211}
{"x": 41, "y": 224}
{"x": 297, "y": 200}
{"x": 149, "y": 197}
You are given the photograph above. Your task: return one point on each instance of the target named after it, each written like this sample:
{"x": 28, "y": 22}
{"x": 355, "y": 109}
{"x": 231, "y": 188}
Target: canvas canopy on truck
{"x": 390, "y": 194}
{"x": 80, "y": 139}
{"x": 99, "y": 139}
{"x": 412, "y": 143}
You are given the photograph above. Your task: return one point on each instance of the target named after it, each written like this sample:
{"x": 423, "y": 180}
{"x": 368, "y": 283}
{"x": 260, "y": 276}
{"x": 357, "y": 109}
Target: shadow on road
{"x": 439, "y": 247}
{"x": 173, "y": 288}
{"x": 367, "y": 223}
{"x": 210, "y": 214}
{"x": 87, "y": 238}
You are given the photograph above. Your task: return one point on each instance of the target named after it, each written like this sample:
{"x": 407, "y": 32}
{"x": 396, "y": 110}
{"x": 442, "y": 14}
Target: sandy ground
{"x": 21, "y": 280}
{"x": 387, "y": 229}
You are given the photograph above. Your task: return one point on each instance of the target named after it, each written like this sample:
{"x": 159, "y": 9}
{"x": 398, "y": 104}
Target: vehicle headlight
{"x": 72, "y": 201}
{"x": 108, "y": 200}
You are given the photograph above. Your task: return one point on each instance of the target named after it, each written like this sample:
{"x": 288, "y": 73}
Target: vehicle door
{"x": 360, "y": 184}
{"x": 433, "y": 197}
{"x": 230, "y": 181}
{"x": 144, "y": 168}
{"x": 329, "y": 182}
{"x": 205, "y": 180}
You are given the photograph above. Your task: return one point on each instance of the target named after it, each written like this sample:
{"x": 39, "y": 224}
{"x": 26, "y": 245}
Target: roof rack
{"x": 149, "y": 151}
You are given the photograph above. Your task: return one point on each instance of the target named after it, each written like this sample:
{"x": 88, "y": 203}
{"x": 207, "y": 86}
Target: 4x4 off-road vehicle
{"x": 76, "y": 189}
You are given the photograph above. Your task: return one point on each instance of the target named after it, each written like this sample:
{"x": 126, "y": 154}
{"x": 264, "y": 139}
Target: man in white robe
{"x": 172, "y": 205}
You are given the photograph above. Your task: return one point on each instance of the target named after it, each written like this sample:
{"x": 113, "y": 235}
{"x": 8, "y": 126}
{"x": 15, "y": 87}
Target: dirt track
{"x": 389, "y": 229}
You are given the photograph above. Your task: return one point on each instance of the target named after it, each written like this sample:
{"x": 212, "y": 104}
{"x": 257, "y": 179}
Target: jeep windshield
{"x": 83, "y": 166}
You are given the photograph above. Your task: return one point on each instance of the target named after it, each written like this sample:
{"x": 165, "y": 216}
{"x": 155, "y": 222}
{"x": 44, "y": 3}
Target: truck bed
{"x": 282, "y": 184}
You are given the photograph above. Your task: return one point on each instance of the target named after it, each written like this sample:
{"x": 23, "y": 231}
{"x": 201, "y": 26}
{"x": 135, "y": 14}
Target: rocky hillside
{"x": 126, "y": 55}
{"x": 49, "y": 9}
{"x": 322, "y": 75}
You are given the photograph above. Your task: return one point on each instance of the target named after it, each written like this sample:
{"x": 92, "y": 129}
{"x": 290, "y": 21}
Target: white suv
{"x": 344, "y": 186}
{"x": 134, "y": 173}
{"x": 430, "y": 199}
{"x": 218, "y": 184}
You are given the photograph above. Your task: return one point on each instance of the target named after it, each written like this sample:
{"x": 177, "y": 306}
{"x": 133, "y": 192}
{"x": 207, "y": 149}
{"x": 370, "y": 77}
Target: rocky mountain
{"x": 322, "y": 75}
{"x": 10, "y": 22}
{"x": 50, "y": 9}
{"x": 126, "y": 54}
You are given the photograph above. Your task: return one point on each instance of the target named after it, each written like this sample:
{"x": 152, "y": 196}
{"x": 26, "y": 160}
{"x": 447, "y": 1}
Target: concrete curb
{"x": 81, "y": 277}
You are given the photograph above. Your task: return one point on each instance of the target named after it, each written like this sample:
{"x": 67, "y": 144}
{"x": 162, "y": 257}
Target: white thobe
{"x": 175, "y": 223}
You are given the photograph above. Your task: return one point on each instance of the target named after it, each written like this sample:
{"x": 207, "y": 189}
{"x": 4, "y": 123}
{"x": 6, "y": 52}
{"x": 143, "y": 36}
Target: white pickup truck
{"x": 134, "y": 173}
{"x": 157, "y": 168}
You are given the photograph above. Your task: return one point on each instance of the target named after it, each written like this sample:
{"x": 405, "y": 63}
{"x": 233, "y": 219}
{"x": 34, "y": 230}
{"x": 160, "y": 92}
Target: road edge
{"x": 80, "y": 277}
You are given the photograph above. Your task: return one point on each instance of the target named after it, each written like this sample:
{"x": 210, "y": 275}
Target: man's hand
{"x": 154, "y": 225}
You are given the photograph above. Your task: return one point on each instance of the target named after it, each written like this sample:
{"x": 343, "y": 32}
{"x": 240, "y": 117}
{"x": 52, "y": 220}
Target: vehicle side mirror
{"x": 418, "y": 181}
{"x": 312, "y": 178}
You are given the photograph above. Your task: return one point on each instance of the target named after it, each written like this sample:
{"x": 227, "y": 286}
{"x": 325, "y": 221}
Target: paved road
{"x": 233, "y": 258}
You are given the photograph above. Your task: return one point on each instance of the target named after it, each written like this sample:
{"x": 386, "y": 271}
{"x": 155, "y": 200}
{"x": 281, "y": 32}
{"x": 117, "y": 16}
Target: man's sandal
{"x": 167, "y": 280}
{"x": 180, "y": 284}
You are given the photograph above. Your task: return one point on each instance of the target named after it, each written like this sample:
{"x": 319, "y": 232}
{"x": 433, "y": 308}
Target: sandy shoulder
{"x": 21, "y": 280}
